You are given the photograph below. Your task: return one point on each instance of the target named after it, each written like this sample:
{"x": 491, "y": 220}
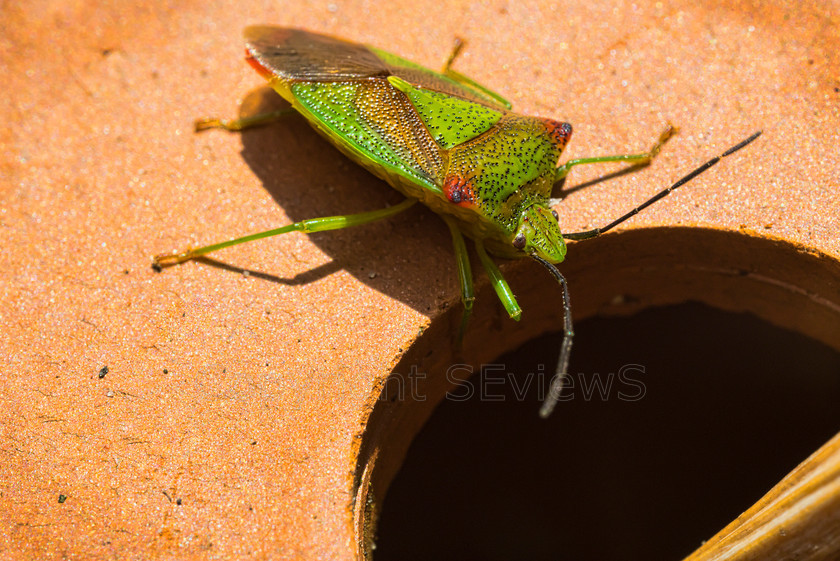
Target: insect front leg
{"x": 499, "y": 283}
{"x": 462, "y": 259}
{"x": 306, "y": 226}
{"x": 636, "y": 159}
{"x": 235, "y": 125}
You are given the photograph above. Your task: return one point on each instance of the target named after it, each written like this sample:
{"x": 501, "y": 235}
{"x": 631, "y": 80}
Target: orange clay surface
{"x": 238, "y": 391}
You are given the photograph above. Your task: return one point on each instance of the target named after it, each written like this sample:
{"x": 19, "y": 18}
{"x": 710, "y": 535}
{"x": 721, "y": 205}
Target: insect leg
{"x": 662, "y": 194}
{"x": 462, "y": 258}
{"x": 565, "y": 349}
{"x": 636, "y": 159}
{"x": 456, "y": 50}
{"x": 242, "y": 123}
{"x": 469, "y": 82}
{"x": 307, "y": 226}
{"x": 500, "y": 285}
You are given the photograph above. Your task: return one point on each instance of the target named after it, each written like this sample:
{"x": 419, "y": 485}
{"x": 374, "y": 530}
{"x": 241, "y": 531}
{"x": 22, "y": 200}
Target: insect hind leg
{"x": 306, "y": 226}
{"x": 236, "y": 125}
{"x": 469, "y": 82}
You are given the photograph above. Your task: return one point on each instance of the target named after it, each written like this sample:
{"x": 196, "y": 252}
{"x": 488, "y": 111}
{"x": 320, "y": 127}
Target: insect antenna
{"x": 661, "y": 195}
{"x": 561, "y": 373}
{"x": 559, "y": 377}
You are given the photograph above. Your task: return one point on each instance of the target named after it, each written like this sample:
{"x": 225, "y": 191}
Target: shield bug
{"x": 439, "y": 138}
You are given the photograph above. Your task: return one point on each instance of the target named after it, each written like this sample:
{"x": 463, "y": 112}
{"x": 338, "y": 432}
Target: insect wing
{"x": 421, "y": 76}
{"x": 342, "y": 89}
{"x": 294, "y": 54}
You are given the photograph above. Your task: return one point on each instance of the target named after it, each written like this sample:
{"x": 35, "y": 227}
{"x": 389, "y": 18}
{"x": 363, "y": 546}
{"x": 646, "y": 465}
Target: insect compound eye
{"x": 519, "y": 241}
{"x": 555, "y": 215}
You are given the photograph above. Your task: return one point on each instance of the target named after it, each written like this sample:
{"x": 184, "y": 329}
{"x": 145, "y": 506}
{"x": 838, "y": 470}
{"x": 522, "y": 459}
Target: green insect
{"x": 438, "y": 138}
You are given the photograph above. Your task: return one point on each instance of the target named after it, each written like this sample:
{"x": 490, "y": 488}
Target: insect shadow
{"x": 310, "y": 178}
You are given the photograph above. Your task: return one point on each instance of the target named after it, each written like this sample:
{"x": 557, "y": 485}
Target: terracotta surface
{"x": 231, "y": 421}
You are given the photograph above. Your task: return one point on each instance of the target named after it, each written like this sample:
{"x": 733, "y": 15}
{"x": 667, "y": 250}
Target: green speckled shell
{"x": 377, "y": 120}
{"x": 451, "y": 120}
{"x": 446, "y": 142}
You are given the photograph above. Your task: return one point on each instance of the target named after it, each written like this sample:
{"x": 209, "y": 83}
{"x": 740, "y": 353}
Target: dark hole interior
{"x": 719, "y": 407}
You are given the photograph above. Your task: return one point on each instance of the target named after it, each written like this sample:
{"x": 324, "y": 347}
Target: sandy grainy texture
{"x": 228, "y": 423}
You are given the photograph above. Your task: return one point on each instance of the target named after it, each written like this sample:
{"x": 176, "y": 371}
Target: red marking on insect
{"x": 559, "y": 132}
{"x": 255, "y": 64}
{"x": 459, "y": 191}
